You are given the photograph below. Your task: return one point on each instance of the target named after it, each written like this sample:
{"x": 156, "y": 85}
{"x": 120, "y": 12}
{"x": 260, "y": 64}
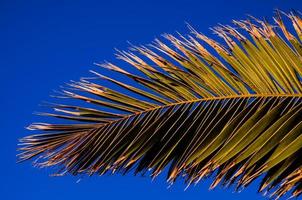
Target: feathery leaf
{"x": 197, "y": 107}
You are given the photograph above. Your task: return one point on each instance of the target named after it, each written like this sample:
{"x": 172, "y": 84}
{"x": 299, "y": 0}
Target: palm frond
{"x": 197, "y": 107}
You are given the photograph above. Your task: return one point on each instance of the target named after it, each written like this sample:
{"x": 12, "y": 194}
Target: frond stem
{"x": 207, "y": 99}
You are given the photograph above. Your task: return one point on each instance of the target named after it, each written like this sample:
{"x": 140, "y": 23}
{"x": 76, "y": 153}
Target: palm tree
{"x": 194, "y": 106}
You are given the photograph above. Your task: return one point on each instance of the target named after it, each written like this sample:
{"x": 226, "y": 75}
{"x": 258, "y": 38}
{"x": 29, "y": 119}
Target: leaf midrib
{"x": 204, "y": 100}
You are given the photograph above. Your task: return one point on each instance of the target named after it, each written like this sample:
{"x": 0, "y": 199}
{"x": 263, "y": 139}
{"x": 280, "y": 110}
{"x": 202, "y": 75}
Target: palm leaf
{"x": 196, "y": 107}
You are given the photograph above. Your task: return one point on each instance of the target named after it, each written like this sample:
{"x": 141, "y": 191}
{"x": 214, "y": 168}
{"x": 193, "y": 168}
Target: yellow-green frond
{"x": 197, "y": 106}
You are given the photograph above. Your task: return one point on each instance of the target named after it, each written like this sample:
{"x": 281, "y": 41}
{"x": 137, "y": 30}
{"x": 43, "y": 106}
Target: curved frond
{"x": 196, "y": 107}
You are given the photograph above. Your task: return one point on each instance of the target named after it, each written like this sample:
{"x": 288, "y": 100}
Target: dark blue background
{"x": 44, "y": 44}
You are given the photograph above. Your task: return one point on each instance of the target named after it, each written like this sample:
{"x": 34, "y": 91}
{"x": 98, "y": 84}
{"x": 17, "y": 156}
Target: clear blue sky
{"x": 44, "y": 44}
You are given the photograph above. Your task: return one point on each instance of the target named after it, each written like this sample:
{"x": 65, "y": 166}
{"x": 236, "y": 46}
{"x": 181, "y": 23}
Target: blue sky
{"x": 47, "y": 43}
